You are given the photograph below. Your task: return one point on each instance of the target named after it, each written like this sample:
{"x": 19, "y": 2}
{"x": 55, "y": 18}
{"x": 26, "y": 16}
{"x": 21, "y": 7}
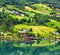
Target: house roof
{"x": 13, "y": 12}
{"x": 22, "y": 32}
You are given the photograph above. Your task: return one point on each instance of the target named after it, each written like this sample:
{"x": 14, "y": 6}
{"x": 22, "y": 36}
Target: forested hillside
{"x": 54, "y": 3}
{"x": 38, "y": 19}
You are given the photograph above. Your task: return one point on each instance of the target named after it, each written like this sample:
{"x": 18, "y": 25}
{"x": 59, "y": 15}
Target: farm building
{"x": 13, "y": 12}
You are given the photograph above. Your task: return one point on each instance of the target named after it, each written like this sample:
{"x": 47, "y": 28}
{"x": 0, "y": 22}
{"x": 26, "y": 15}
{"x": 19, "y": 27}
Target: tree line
{"x": 53, "y": 3}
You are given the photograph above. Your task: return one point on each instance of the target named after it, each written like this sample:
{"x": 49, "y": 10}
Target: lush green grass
{"x": 11, "y": 7}
{"x": 58, "y": 13}
{"x": 40, "y": 8}
{"x": 53, "y": 23}
{"x": 54, "y": 47}
{"x": 5, "y": 9}
{"x": 36, "y": 29}
{"x": 16, "y": 16}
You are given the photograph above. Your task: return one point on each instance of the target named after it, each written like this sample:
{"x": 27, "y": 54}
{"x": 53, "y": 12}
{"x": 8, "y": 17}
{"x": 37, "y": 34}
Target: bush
{"x": 38, "y": 35}
{"x": 30, "y": 34}
{"x": 29, "y": 21}
{"x": 58, "y": 30}
{"x": 41, "y": 19}
{"x": 52, "y": 13}
{"x": 31, "y": 29}
{"x": 22, "y": 21}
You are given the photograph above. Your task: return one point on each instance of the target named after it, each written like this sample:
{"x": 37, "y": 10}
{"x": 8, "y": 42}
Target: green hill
{"x": 41, "y": 19}
{"x": 36, "y": 16}
{"x": 36, "y": 29}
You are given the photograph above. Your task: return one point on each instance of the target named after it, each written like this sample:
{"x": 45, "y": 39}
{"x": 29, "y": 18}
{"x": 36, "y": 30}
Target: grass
{"x": 53, "y": 23}
{"x": 54, "y": 47}
{"x": 40, "y": 8}
{"x": 11, "y": 7}
{"x": 36, "y": 29}
{"x": 58, "y": 13}
{"x": 2, "y": 8}
{"x": 29, "y": 13}
{"x": 33, "y": 45}
{"x": 16, "y": 16}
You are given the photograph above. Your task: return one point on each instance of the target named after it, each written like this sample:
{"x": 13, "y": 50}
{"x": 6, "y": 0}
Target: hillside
{"x": 30, "y": 15}
{"x": 32, "y": 23}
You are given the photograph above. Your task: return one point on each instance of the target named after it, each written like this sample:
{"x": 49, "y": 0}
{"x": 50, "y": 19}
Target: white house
{"x": 13, "y": 12}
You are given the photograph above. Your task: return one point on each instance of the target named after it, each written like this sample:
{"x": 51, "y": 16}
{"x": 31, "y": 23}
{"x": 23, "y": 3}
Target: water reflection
{"x": 7, "y": 49}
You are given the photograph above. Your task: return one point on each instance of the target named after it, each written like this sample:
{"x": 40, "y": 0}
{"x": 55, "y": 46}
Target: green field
{"x": 40, "y": 8}
{"x": 36, "y": 29}
{"x": 53, "y": 23}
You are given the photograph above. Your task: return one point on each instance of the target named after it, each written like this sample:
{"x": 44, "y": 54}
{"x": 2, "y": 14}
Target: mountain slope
{"x": 34, "y": 15}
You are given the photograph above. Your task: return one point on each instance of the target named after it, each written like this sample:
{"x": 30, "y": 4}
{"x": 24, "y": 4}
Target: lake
{"x": 7, "y": 49}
